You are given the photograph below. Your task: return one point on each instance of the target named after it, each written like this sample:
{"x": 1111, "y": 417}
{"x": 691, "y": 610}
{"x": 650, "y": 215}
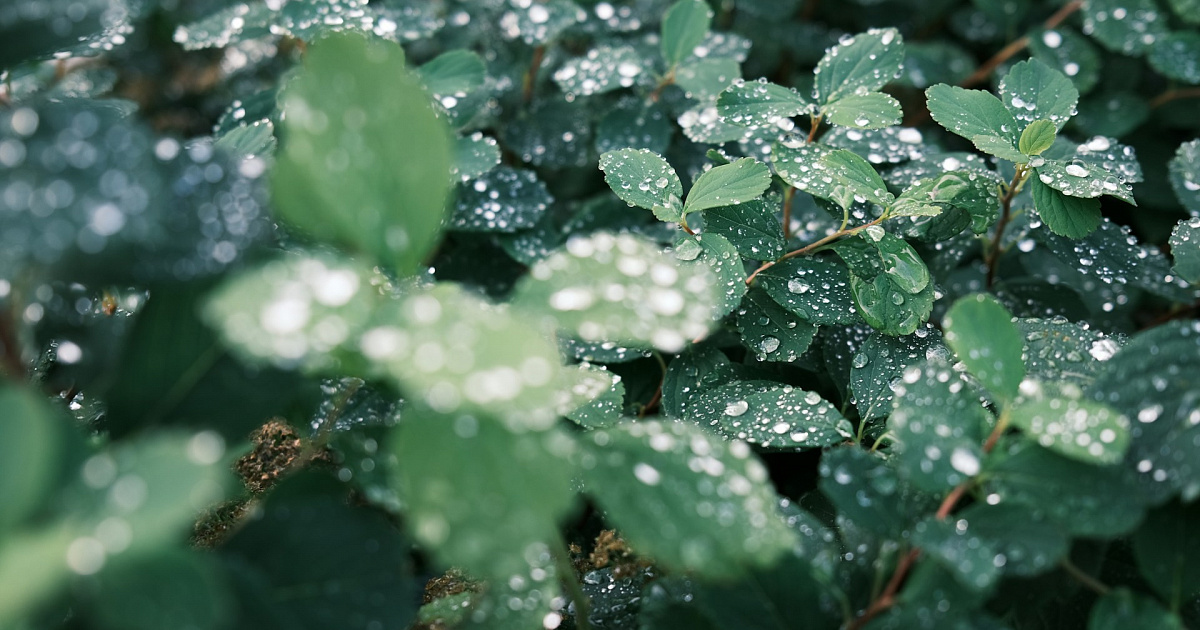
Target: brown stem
{"x": 812, "y": 131}
{"x": 1174, "y": 94}
{"x": 669, "y": 79}
{"x": 993, "y": 257}
{"x": 653, "y": 404}
{"x": 812, "y": 246}
{"x": 535, "y": 65}
{"x": 983, "y": 72}
{"x": 788, "y": 193}
{"x": 1092, "y": 583}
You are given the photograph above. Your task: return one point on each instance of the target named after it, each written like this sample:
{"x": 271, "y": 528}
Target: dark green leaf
{"x": 643, "y": 178}
{"x": 815, "y": 288}
{"x": 698, "y": 369}
{"x": 937, "y": 427}
{"x": 720, "y": 256}
{"x": 34, "y": 29}
{"x": 474, "y": 155}
{"x": 962, "y": 552}
{"x": 162, "y": 590}
{"x": 977, "y": 116}
{"x": 32, "y": 441}
{"x": 1034, "y": 91}
{"x": 1122, "y": 609}
{"x": 633, "y": 123}
{"x": 729, "y": 184}
{"x": 771, "y": 415}
{"x": 1027, "y": 542}
{"x": 760, "y": 104}
{"x": 772, "y": 332}
{"x": 362, "y": 201}
{"x": 880, "y": 362}
{"x": 888, "y": 306}
{"x": 1185, "y": 249}
{"x": 504, "y": 199}
{"x": 1060, "y": 351}
{"x": 866, "y": 490}
{"x": 553, "y": 133}
{"x": 982, "y": 334}
{"x": 598, "y": 397}
{"x": 1065, "y": 50}
{"x": 642, "y": 476}
{"x": 1064, "y": 215}
{"x": 1124, "y": 26}
{"x": 603, "y": 69}
{"x": 1037, "y": 137}
{"x": 704, "y": 79}
{"x": 540, "y": 22}
{"x": 890, "y": 145}
{"x": 1060, "y": 419}
{"x": 498, "y": 494}
{"x": 683, "y": 28}
{"x": 1167, "y": 554}
{"x": 751, "y": 227}
{"x": 1185, "y": 175}
{"x": 866, "y": 61}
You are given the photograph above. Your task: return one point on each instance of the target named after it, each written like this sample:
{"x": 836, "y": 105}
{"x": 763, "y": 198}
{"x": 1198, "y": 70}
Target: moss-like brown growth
{"x": 276, "y": 447}
{"x": 612, "y": 550}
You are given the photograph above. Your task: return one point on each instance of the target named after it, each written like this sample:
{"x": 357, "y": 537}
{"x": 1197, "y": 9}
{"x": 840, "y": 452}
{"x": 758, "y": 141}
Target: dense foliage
{"x": 623, "y": 314}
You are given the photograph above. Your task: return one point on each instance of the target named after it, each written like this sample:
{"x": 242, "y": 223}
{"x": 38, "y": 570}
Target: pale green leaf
{"x": 1058, "y": 417}
{"x": 857, "y": 175}
{"x": 866, "y": 61}
{"x": 256, "y": 139}
{"x": 643, "y": 178}
{"x": 729, "y": 184}
{"x": 1038, "y": 136}
{"x": 453, "y": 73}
{"x": 684, "y": 26}
{"x": 474, "y": 155}
{"x": 366, "y": 203}
{"x": 31, "y": 439}
{"x": 982, "y": 334}
{"x": 662, "y": 484}
{"x": 1034, "y": 91}
{"x": 597, "y": 397}
{"x": 977, "y": 116}
{"x": 872, "y": 110}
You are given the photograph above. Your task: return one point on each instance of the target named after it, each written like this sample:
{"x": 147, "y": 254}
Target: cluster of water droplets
{"x": 816, "y": 289}
{"x": 771, "y": 415}
{"x": 539, "y": 22}
{"x": 1126, "y": 27}
{"x": 504, "y": 199}
{"x": 602, "y": 69}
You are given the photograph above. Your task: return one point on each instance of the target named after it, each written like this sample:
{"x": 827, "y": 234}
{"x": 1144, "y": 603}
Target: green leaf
{"x": 937, "y": 427}
{"x": 1065, "y": 50}
{"x": 598, "y": 397}
{"x": 961, "y": 190}
{"x": 1078, "y": 178}
{"x": 751, "y": 227}
{"x": 817, "y": 289}
{"x": 643, "y": 178}
{"x": 1185, "y": 249}
{"x": 453, "y": 73}
{"x": 982, "y": 334}
{"x": 1037, "y": 137}
{"x": 1124, "y": 26}
{"x": 32, "y": 29}
{"x": 801, "y": 166}
{"x": 360, "y": 200}
{"x": 1062, "y": 351}
{"x": 866, "y": 61}
{"x": 977, "y": 116}
{"x": 603, "y": 69}
{"x": 872, "y": 110}
{"x": 161, "y": 590}
{"x": 704, "y": 79}
{"x": 890, "y": 145}
{"x": 500, "y": 492}
{"x": 684, "y": 26}
{"x": 1123, "y": 608}
{"x": 539, "y": 23}
{"x": 31, "y": 439}
{"x": 857, "y": 175}
{"x": 1082, "y": 499}
{"x": 1186, "y": 10}
{"x": 1029, "y": 543}
{"x": 771, "y": 331}
{"x": 771, "y": 415}
{"x": 1185, "y": 175}
{"x": 970, "y": 558}
{"x": 632, "y": 123}
{"x": 729, "y": 184}
{"x": 1033, "y": 91}
{"x": 474, "y": 155}
{"x": 935, "y": 61}
{"x": 554, "y": 132}
{"x": 760, "y": 104}
{"x": 246, "y": 141}
{"x": 643, "y": 478}
{"x": 662, "y": 302}
{"x": 866, "y": 490}
{"x": 1058, "y": 417}
{"x": 697, "y": 369}
{"x": 1113, "y": 113}
{"x": 1067, "y": 216}
{"x": 1169, "y": 558}
{"x": 504, "y": 199}
{"x": 880, "y": 362}
{"x": 715, "y": 252}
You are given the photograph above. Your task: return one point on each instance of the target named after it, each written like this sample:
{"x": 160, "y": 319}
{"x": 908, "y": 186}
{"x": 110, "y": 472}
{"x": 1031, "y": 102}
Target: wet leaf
{"x": 474, "y": 155}
{"x": 453, "y": 73}
{"x": 553, "y": 133}
{"x": 597, "y": 397}
{"x": 890, "y": 145}
{"x": 684, "y": 26}
{"x": 704, "y": 79}
{"x": 802, "y": 166}
{"x": 866, "y": 61}
{"x": 720, "y": 256}
{"x": 858, "y": 176}
{"x": 772, "y": 332}
{"x": 729, "y": 184}
{"x": 1065, "y": 50}
{"x": 1059, "y": 351}
{"x": 1026, "y": 543}
{"x": 499, "y": 494}
{"x": 539, "y": 22}
{"x": 247, "y": 141}
{"x": 602, "y": 69}
{"x": 866, "y": 490}
{"x": 663, "y": 484}
{"x": 32, "y": 443}
{"x": 771, "y": 415}
{"x": 643, "y": 178}
{"x": 1124, "y": 26}
{"x": 977, "y": 116}
{"x": 1070, "y": 216}
{"x": 658, "y": 299}
{"x": 696, "y": 370}
{"x": 872, "y": 110}
{"x": 1185, "y": 175}
{"x": 751, "y": 227}
{"x": 970, "y": 558}
{"x": 80, "y": 29}
{"x": 633, "y": 123}
{"x": 982, "y": 334}
{"x": 881, "y": 360}
{"x": 359, "y": 200}
{"x": 760, "y": 104}
{"x": 1123, "y": 608}
{"x": 937, "y": 428}
{"x": 1166, "y": 554}
{"x": 503, "y": 199}
{"x": 1033, "y": 91}
{"x": 1185, "y": 249}
{"x": 1059, "y": 418}
{"x": 1037, "y": 137}
{"x": 817, "y": 289}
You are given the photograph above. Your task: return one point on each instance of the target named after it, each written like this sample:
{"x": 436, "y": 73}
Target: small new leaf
{"x": 1037, "y": 137}
{"x": 684, "y": 27}
{"x": 643, "y": 178}
{"x": 728, "y": 184}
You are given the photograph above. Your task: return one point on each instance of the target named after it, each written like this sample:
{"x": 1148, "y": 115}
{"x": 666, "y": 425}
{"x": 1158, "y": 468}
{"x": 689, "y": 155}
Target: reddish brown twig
{"x": 983, "y": 72}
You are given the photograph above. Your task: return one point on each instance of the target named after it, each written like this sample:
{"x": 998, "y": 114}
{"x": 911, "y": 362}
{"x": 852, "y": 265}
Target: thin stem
{"x": 562, "y": 560}
{"x": 813, "y": 246}
{"x": 997, "y": 431}
{"x": 535, "y": 65}
{"x": 993, "y": 257}
{"x": 656, "y": 399}
{"x": 10, "y": 348}
{"x": 1092, "y": 583}
{"x": 668, "y": 79}
{"x": 318, "y": 442}
{"x": 812, "y": 132}
{"x": 983, "y": 72}
{"x": 1174, "y": 94}
{"x": 788, "y": 194}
